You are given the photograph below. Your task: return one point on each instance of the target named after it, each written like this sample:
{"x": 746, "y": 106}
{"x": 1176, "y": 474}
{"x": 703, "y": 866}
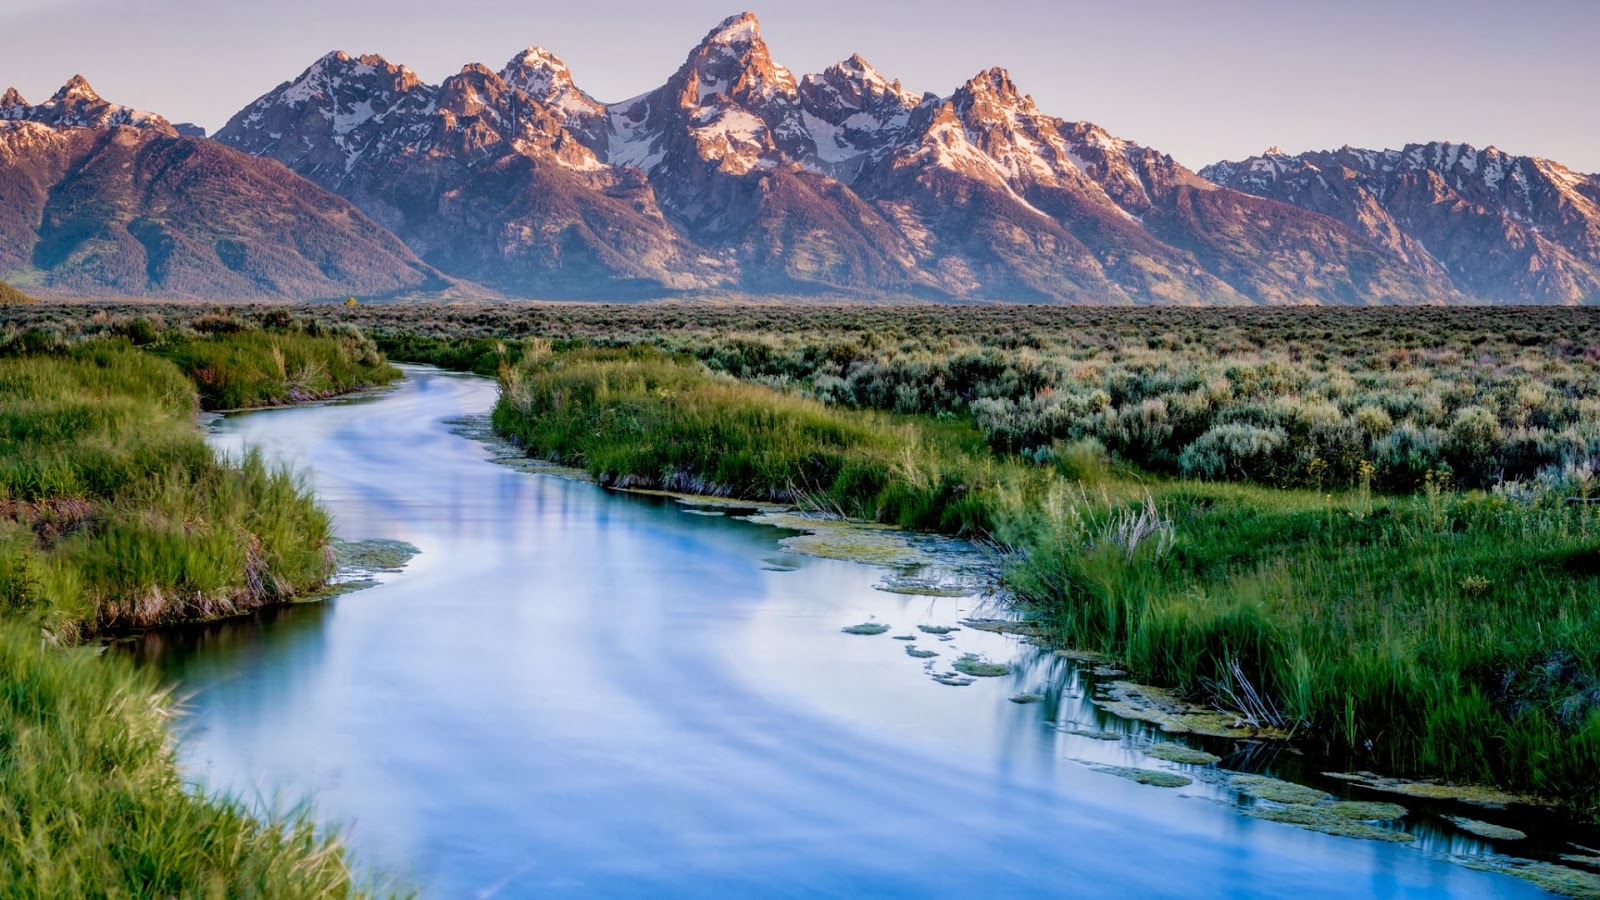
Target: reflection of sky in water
{"x": 599, "y": 695}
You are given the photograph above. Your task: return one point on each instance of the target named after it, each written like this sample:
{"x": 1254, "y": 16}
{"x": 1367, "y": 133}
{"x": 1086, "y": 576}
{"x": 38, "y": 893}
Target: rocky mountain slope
{"x": 98, "y": 199}
{"x": 736, "y": 174}
{"x": 1499, "y": 228}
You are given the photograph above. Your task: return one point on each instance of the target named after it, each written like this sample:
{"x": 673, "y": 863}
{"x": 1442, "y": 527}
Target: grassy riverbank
{"x": 114, "y": 514}
{"x": 1443, "y": 633}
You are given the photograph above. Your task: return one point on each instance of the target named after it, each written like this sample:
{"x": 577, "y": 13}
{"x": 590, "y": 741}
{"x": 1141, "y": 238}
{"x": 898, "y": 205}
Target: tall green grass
{"x": 639, "y": 418}
{"x": 91, "y": 804}
{"x": 1442, "y": 633}
{"x": 274, "y": 368}
{"x": 116, "y": 514}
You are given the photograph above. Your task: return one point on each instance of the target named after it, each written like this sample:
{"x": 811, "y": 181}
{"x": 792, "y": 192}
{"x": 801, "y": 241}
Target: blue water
{"x": 574, "y": 692}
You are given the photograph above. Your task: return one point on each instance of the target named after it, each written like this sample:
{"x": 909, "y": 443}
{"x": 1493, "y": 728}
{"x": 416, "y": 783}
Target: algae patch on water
{"x": 1263, "y": 788}
{"x": 914, "y": 653}
{"x": 1174, "y": 715}
{"x": 1476, "y": 795}
{"x": 920, "y": 585}
{"x": 358, "y": 565}
{"x": 1365, "y": 811}
{"x": 1153, "y": 777}
{"x": 975, "y": 666}
{"x": 1556, "y": 879}
{"x": 1325, "y": 821}
{"x": 866, "y": 628}
{"x": 1004, "y": 626}
{"x": 832, "y": 538}
{"x": 1486, "y": 829}
{"x": 1025, "y": 699}
{"x": 1181, "y": 754}
{"x": 372, "y": 557}
{"x": 936, "y": 629}
{"x": 1317, "y": 810}
{"x": 927, "y": 564}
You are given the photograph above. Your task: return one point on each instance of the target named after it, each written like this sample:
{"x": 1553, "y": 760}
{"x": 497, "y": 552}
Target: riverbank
{"x": 1444, "y": 634}
{"x": 116, "y": 514}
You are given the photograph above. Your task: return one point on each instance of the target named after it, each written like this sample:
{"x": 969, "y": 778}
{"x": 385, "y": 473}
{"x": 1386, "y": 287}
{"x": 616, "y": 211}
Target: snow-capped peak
{"x": 742, "y": 28}
{"x": 77, "y": 105}
{"x": 995, "y": 82}
{"x": 733, "y": 59}
{"x": 76, "y": 88}
{"x": 542, "y": 76}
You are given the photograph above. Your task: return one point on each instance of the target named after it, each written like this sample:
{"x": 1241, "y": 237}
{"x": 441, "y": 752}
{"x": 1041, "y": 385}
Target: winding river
{"x": 573, "y": 691}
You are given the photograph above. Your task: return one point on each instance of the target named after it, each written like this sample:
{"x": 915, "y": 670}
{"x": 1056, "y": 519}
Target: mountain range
{"x": 738, "y": 176}
{"x": 98, "y": 199}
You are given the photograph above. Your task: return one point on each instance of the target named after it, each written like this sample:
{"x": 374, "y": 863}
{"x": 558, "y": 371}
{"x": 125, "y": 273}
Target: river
{"x": 573, "y": 691}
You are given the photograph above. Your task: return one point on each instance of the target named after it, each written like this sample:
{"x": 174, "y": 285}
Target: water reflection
{"x": 574, "y": 692}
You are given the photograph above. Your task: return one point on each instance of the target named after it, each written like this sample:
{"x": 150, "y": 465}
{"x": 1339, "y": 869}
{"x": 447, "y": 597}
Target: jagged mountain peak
{"x": 733, "y": 59}
{"x": 860, "y": 79}
{"x": 77, "y": 105}
{"x": 76, "y": 88}
{"x": 1497, "y": 226}
{"x": 741, "y": 28}
{"x": 733, "y": 168}
{"x": 544, "y": 78}
{"x": 536, "y": 70}
{"x": 995, "y": 82}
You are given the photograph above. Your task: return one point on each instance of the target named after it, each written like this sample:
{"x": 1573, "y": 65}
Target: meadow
{"x": 1369, "y": 527}
{"x": 115, "y": 514}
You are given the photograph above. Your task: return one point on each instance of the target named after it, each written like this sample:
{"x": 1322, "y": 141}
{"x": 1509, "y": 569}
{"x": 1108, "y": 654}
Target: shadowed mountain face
{"x": 1497, "y": 227}
{"x": 736, "y": 174}
{"x": 100, "y": 199}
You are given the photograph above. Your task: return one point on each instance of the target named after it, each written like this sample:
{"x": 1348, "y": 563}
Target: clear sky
{"x": 1200, "y": 79}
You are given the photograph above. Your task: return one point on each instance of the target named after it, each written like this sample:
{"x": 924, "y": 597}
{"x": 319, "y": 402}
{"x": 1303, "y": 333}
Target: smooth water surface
{"x": 571, "y": 691}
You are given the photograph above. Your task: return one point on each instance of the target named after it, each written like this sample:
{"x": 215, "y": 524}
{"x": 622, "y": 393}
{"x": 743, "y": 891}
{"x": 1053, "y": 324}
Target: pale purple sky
{"x": 1200, "y": 80}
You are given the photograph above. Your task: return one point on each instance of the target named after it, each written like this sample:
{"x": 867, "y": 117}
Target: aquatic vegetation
{"x": 371, "y": 557}
{"x": 1476, "y": 795}
{"x": 937, "y": 629}
{"x": 1005, "y": 626}
{"x": 1181, "y": 754}
{"x": 867, "y": 628}
{"x": 1364, "y": 810}
{"x": 1486, "y": 829}
{"x": 95, "y": 806}
{"x": 916, "y": 653}
{"x": 1557, "y": 879}
{"x": 952, "y": 679}
{"x": 1172, "y": 714}
{"x": 977, "y": 667}
{"x": 1152, "y": 777}
{"x": 1263, "y": 788}
{"x": 922, "y": 586}
{"x": 1325, "y": 821}
{"x": 835, "y": 538}
{"x": 1027, "y": 698}
{"x": 116, "y": 514}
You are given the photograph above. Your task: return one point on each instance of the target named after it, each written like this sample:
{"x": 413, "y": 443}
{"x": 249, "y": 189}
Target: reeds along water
{"x": 116, "y": 514}
{"x": 1439, "y": 633}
